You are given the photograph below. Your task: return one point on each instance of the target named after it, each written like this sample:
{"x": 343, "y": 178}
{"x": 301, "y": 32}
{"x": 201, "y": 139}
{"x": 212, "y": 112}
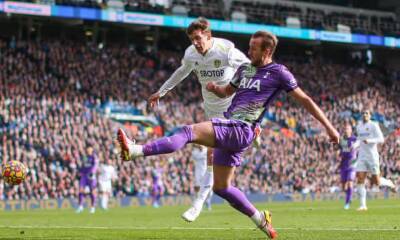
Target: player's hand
{"x": 154, "y": 99}
{"x": 257, "y": 137}
{"x": 365, "y": 141}
{"x": 333, "y": 135}
{"x": 211, "y": 86}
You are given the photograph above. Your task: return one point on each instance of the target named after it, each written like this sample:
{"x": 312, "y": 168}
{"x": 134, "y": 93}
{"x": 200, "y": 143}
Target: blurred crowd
{"x": 252, "y": 12}
{"x": 51, "y": 91}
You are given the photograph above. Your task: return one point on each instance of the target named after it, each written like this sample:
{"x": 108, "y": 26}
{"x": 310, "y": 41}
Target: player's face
{"x": 201, "y": 40}
{"x": 366, "y": 116}
{"x": 256, "y": 53}
{"x": 348, "y": 131}
{"x": 89, "y": 151}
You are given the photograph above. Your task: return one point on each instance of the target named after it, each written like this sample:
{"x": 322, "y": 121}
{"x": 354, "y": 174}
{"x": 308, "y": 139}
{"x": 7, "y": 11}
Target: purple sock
{"x": 93, "y": 199}
{"x": 237, "y": 199}
{"x": 169, "y": 144}
{"x": 81, "y": 199}
{"x": 349, "y": 193}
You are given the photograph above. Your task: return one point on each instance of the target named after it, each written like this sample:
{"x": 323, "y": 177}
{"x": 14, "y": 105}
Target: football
{"x": 13, "y": 172}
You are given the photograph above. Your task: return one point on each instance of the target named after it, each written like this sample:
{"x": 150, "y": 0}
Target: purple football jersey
{"x": 156, "y": 175}
{"x": 347, "y": 152}
{"x": 256, "y": 89}
{"x": 89, "y": 165}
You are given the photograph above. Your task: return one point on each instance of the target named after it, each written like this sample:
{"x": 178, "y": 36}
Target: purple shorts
{"x": 157, "y": 189}
{"x": 232, "y": 138}
{"x": 347, "y": 175}
{"x": 86, "y": 180}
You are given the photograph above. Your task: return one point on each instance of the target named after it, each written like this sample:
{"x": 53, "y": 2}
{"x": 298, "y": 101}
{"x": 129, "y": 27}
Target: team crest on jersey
{"x": 217, "y": 63}
{"x": 249, "y": 71}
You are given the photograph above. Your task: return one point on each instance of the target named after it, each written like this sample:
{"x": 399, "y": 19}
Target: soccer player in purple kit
{"x": 256, "y": 86}
{"x": 348, "y": 153}
{"x": 157, "y": 186}
{"x": 87, "y": 173}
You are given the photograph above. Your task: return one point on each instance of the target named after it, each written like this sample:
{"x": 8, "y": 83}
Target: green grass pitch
{"x": 302, "y": 221}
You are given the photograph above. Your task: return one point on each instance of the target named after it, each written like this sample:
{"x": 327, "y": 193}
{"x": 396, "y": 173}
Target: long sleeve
{"x": 181, "y": 73}
{"x": 236, "y": 58}
{"x": 378, "y": 135}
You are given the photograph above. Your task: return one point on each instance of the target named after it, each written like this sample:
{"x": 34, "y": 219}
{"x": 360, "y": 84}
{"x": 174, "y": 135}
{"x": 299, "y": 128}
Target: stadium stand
{"x": 52, "y": 109}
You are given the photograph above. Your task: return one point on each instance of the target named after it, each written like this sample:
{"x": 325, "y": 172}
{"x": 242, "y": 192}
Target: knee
{"x": 360, "y": 181}
{"x": 219, "y": 185}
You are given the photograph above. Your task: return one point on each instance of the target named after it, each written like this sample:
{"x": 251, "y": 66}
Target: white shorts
{"x": 105, "y": 186}
{"x": 370, "y": 165}
{"x": 199, "y": 171}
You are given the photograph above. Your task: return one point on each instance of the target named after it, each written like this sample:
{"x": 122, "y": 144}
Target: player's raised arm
{"x": 236, "y": 58}
{"x": 181, "y": 73}
{"x": 312, "y": 108}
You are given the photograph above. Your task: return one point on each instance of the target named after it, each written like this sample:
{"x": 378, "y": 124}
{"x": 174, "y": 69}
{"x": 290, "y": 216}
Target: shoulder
{"x": 375, "y": 124}
{"x": 247, "y": 69}
{"x": 280, "y": 68}
{"x": 190, "y": 52}
{"x": 223, "y": 45}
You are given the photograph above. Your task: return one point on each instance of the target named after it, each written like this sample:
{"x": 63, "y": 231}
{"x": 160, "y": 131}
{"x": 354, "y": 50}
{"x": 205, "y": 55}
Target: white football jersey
{"x": 219, "y": 65}
{"x": 371, "y": 132}
{"x": 107, "y": 173}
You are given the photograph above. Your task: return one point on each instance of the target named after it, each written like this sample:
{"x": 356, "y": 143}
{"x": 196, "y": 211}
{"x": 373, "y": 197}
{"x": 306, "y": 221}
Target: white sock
{"x": 205, "y": 188}
{"x": 363, "y": 195}
{"x": 386, "y": 182}
{"x": 104, "y": 201}
{"x": 257, "y": 218}
{"x": 208, "y": 200}
{"x": 136, "y": 150}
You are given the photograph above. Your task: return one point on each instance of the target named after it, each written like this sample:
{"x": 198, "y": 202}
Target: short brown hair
{"x": 199, "y": 24}
{"x": 269, "y": 40}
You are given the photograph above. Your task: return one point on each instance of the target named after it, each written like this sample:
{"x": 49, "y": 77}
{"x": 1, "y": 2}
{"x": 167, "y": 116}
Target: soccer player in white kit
{"x": 211, "y": 59}
{"x": 199, "y": 156}
{"x": 369, "y": 136}
{"x": 106, "y": 176}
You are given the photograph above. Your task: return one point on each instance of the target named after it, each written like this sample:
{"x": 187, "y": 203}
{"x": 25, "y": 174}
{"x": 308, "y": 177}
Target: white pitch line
{"x": 197, "y": 228}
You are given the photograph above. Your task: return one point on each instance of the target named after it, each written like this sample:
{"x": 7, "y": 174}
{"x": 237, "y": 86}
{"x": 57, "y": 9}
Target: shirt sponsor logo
{"x": 212, "y": 73}
{"x": 250, "y": 83}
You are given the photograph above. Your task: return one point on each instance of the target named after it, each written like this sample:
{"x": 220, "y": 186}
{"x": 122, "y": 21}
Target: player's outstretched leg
{"x": 384, "y": 182}
{"x": 239, "y": 201}
{"x": 130, "y": 150}
{"x": 223, "y": 176}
